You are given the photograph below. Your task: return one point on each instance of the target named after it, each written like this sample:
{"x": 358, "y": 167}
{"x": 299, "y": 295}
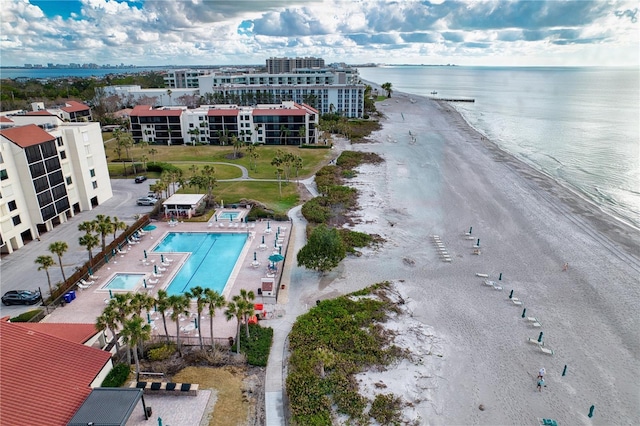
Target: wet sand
{"x": 444, "y": 178}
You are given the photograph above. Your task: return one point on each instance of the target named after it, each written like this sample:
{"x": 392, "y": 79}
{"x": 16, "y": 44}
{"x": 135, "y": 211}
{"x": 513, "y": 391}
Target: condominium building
{"x": 287, "y": 123}
{"x": 285, "y": 65}
{"x": 184, "y": 79}
{"x": 49, "y": 171}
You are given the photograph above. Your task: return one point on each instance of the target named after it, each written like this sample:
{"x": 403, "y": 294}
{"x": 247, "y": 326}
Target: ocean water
{"x": 578, "y": 125}
{"x": 40, "y": 73}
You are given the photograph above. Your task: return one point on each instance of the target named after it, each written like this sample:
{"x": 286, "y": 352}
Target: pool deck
{"x": 90, "y": 302}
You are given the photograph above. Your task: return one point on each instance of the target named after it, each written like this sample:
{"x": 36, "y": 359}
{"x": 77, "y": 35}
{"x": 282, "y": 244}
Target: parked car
{"x": 140, "y": 179}
{"x": 151, "y": 194}
{"x": 146, "y": 201}
{"x": 21, "y": 297}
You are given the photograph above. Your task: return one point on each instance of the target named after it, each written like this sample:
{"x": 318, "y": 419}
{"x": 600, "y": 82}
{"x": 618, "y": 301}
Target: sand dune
{"x": 443, "y": 178}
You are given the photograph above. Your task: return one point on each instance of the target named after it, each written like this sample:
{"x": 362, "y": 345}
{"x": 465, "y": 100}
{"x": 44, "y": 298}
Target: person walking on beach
{"x": 541, "y": 384}
{"x": 565, "y": 267}
{"x": 541, "y": 373}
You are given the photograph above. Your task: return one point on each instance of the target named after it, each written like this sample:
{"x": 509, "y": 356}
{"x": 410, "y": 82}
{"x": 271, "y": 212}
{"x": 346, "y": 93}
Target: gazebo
{"x": 182, "y": 205}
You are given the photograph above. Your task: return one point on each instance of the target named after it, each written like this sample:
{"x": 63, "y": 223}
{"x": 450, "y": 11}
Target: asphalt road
{"x": 18, "y": 271}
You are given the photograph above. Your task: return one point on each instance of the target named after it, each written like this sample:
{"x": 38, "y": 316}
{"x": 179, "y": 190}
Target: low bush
{"x": 386, "y": 409}
{"x": 162, "y": 352}
{"x": 26, "y": 316}
{"x": 117, "y": 376}
{"x": 161, "y": 167}
{"x": 257, "y": 345}
{"x": 353, "y": 239}
{"x": 314, "y": 210}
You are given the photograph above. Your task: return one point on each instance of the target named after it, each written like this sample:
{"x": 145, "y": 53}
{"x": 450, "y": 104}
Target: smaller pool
{"x": 124, "y": 282}
{"x": 228, "y": 215}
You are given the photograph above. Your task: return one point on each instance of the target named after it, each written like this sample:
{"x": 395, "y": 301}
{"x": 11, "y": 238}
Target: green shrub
{"x": 117, "y": 376}
{"x": 258, "y": 345}
{"x": 161, "y": 167}
{"x": 314, "y": 211}
{"x": 26, "y": 316}
{"x": 161, "y": 353}
{"x": 386, "y": 409}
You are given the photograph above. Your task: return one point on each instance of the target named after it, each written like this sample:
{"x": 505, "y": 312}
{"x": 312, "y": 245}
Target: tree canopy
{"x": 324, "y": 250}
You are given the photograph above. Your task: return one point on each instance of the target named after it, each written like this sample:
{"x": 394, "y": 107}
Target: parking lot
{"x": 19, "y": 271}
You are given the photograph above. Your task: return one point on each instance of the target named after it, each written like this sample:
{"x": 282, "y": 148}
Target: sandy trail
{"x": 444, "y": 178}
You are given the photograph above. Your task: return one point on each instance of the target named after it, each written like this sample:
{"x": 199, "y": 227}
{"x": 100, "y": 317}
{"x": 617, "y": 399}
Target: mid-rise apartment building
{"x": 49, "y": 171}
{"x": 285, "y": 65}
{"x": 287, "y": 123}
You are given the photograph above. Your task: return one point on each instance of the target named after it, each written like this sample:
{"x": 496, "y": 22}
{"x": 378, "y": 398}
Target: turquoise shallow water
{"x": 578, "y": 125}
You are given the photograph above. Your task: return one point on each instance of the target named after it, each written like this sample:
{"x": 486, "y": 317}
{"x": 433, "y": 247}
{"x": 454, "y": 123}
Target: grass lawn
{"x": 230, "y": 409}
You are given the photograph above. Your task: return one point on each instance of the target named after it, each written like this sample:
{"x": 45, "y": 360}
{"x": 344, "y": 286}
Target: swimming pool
{"x": 212, "y": 258}
{"x": 228, "y": 215}
{"x": 126, "y": 282}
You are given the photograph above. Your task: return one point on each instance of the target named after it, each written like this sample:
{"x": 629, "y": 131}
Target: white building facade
{"x": 48, "y": 173}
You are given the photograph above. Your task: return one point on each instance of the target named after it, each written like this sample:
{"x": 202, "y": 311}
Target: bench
{"x": 166, "y": 388}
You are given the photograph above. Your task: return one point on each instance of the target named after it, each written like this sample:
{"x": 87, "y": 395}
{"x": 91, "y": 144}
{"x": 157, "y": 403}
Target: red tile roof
{"x": 25, "y": 136}
{"x": 44, "y": 379}
{"x": 309, "y": 107}
{"x": 223, "y": 112}
{"x": 4, "y": 119}
{"x": 73, "y": 106}
{"x": 147, "y": 111}
{"x": 77, "y": 333}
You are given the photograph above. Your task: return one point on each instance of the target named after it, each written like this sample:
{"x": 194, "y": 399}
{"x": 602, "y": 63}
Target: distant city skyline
{"x": 241, "y": 32}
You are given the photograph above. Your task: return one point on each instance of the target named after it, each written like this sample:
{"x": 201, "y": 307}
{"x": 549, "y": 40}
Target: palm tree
{"x": 45, "y": 263}
{"x": 246, "y": 298}
{"x": 104, "y": 226}
{"x": 302, "y": 132}
{"x": 89, "y": 241}
{"x": 140, "y": 302}
{"x": 277, "y": 162}
{"x": 118, "y": 225}
{"x": 120, "y": 305}
{"x": 109, "y": 321}
{"x": 134, "y": 332}
{"x": 153, "y": 153}
{"x": 180, "y": 305}
{"x": 197, "y": 293}
{"x": 387, "y": 88}
{"x": 59, "y": 248}
{"x": 235, "y": 311}
{"x": 214, "y": 301}
{"x": 162, "y": 305}
{"x": 237, "y": 144}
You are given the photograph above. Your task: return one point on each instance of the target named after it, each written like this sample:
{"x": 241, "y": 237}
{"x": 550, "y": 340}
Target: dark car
{"x": 140, "y": 179}
{"x": 21, "y": 297}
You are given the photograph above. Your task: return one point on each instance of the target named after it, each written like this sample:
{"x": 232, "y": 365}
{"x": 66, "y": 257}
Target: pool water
{"x": 124, "y": 282}
{"x": 212, "y": 258}
{"x": 228, "y": 215}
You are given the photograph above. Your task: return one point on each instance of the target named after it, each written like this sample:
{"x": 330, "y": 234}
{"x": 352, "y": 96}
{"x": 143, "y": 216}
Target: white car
{"x": 146, "y": 201}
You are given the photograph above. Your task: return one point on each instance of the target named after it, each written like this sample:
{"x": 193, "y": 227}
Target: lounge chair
{"x": 167, "y": 260}
{"x": 548, "y": 422}
{"x": 534, "y": 341}
{"x": 489, "y": 283}
{"x": 157, "y": 275}
{"x": 546, "y": 351}
{"x": 209, "y": 225}
{"x": 82, "y": 286}
{"x": 121, "y": 252}
{"x": 152, "y": 281}
{"x": 497, "y": 287}
{"x": 165, "y": 264}
{"x": 255, "y": 263}
{"x": 87, "y": 283}
{"x": 534, "y": 321}
{"x": 94, "y": 277}
{"x": 161, "y": 269}
{"x": 516, "y": 301}
{"x": 478, "y": 274}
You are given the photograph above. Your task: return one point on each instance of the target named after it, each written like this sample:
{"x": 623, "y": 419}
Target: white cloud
{"x": 240, "y": 31}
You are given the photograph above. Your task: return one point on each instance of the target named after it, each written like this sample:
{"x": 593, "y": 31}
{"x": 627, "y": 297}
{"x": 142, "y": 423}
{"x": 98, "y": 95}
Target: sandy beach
{"x": 440, "y": 177}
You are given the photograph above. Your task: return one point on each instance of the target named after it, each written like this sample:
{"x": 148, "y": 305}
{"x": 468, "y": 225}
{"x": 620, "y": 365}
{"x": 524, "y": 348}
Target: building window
{"x": 12, "y": 205}
{"x": 69, "y": 181}
{"x": 16, "y": 220}
{"x": 3, "y": 175}
{"x": 63, "y": 154}
{"x": 92, "y": 172}
{"x": 60, "y": 141}
{"x": 94, "y": 184}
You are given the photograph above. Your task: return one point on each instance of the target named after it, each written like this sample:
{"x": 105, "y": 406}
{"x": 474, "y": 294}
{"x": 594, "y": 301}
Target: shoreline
{"x": 448, "y": 179}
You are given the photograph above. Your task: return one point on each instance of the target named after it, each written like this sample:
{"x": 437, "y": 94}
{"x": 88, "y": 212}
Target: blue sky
{"x": 216, "y": 32}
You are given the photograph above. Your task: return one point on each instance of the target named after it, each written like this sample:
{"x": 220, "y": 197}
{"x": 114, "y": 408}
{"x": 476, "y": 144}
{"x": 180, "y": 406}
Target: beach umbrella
{"x": 278, "y": 231}
{"x": 524, "y": 312}
{"x": 144, "y": 282}
{"x": 478, "y": 243}
{"x": 470, "y": 229}
{"x": 145, "y": 254}
{"x": 110, "y": 294}
{"x": 90, "y": 271}
{"x": 280, "y": 250}
{"x": 275, "y": 242}
{"x": 263, "y": 239}
{"x": 268, "y": 225}
{"x": 159, "y": 421}
{"x": 215, "y": 217}
{"x": 162, "y": 258}
{"x": 254, "y": 256}
{"x": 148, "y": 318}
{"x": 275, "y": 258}
{"x": 155, "y": 268}
{"x": 511, "y": 295}
{"x": 540, "y": 337}
{"x": 106, "y": 258}
{"x": 500, "y": 277}
{"x": 591, "y": 410}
